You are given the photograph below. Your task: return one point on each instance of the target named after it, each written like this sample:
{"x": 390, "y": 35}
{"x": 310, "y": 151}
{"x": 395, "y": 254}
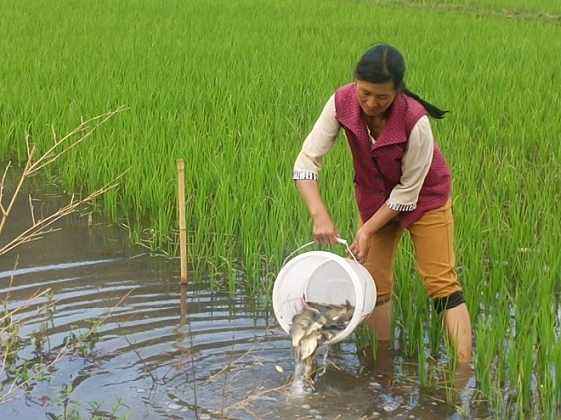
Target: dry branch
{"x": 245, "y": 402}
{"x": 229, "y": 366}
{"x": 40, "y": 227}
{"x": 61, "y": 146}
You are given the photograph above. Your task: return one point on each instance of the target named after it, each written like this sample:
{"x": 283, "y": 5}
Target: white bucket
{"x": 326, "y": 278}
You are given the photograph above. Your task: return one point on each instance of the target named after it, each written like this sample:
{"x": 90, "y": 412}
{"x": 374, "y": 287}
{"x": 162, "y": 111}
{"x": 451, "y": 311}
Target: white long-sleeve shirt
{"x": 415, "y": 163}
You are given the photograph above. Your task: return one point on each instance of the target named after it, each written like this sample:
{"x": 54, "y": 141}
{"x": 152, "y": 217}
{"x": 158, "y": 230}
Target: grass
{"x": 538, "y": 9}
{"x": 233, "y": 88}
{"x": 543, "y": 6}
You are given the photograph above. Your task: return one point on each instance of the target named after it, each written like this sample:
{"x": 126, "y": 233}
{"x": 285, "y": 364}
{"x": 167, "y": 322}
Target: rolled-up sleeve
{"x": 415, "y": 166}
{"x": 318, "y": 142}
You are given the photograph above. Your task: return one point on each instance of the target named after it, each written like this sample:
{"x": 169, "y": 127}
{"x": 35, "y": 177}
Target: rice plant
{"x": 233, "y": 87}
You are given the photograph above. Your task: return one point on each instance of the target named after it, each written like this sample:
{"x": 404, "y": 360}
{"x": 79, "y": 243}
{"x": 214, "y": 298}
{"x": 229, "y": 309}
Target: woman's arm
{"x": 306, "y": 169}
{"x": 317, "y": 144}
{"x": 415, "y": 166}
{"x": 324, "y": 229}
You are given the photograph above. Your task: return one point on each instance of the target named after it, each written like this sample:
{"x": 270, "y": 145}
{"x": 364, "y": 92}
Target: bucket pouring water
{"x": 326, "y": 278}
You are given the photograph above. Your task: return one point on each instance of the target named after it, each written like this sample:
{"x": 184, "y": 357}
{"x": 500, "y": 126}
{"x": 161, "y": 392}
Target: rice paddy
{"x": 507, "y": 8}
{"x": 233, "y": 87}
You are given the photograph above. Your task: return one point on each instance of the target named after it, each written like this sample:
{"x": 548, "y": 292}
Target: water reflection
{"x": 155, "y": 349}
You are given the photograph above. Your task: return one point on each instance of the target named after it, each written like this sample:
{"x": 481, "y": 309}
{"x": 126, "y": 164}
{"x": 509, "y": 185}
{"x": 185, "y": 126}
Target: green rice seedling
{"x": 484, "y": 357}
{"x": 422, "y": 365}
{"x": 435, "y": 331}
{"x": 366, "y": 344}
{"x": 546, "y": 342}
{"x": 556, "y": 392}
{"x": 410, "y": 303}
{"x": 538, "y": 9}
{"x": 451, "y": 374}
{"x": 237, "y": 104}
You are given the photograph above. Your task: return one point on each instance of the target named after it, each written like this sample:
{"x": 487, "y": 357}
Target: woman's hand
{"x": 376, "y": 222}
{"x": 325, "y": 231}
{"x": 361, "y": 244}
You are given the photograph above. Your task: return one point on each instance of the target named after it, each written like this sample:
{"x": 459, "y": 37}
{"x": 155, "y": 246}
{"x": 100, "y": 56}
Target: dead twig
{"x": 26, "y": 304}
{"x": 84, "y": 130}
{"x": 229, "y": 365}
{"x": 39, "y": 228}
{"x": 249, "y": 398}
{"x": 121, "y": 300}
{"x": 32, "y": 166}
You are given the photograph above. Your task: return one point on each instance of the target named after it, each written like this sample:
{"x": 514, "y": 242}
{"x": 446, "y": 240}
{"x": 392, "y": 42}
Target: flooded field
{"x": 118, "y": 337}
{"x": 108, "y": 334}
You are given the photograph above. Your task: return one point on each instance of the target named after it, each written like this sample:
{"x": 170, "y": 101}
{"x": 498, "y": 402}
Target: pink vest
{"x": 378, "y": 166}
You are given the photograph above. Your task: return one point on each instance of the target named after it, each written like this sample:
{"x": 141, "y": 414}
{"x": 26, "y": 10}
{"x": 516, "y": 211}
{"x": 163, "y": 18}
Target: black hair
{"x": 383, "y": 63}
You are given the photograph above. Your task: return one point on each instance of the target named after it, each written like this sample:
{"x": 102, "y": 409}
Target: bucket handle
{"x": 339, "y": 240}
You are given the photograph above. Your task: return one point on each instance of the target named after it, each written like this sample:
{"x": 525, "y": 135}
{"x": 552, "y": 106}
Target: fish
{"x": 324, "y": 309}
{"x": 311, "y": 306}
{"x": 309, "y": 344}
{"x": 318, "y": 306}
{"x": 300, "y": 324}
{"x": 340, "y": 314}
{"x": 309, "y": 368}
{"x": 329, "y": 315}
{"x": 313, "y": 325}
{"x": 317, "y": 324}
{"x": 329, "y": 334}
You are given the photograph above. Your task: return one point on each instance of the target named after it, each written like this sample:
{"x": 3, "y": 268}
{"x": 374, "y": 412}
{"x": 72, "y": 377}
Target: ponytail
{"x": 383, "y": 63}
{"x": 433, "y": 110}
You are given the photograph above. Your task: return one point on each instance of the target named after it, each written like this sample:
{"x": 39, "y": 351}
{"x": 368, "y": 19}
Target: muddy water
{"x": 166, "y": 352}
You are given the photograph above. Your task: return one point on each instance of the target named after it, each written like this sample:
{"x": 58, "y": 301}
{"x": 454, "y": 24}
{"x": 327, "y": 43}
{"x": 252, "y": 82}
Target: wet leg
{"x": 433, "y": 239}
{"x": 380, "y": 321}
{"x": 458, "y": 326}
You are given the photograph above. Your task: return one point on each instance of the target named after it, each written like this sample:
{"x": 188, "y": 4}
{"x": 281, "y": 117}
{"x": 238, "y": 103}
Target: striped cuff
{"x": 299, "y": 175}
{"x": 401, "y": 207}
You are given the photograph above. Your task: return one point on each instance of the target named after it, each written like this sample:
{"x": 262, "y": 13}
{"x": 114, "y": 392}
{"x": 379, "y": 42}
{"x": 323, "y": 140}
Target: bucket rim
{"x": 344, "y": 263}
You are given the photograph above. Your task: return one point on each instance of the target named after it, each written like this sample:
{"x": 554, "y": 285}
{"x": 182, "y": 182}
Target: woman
{"x": 401, "y": 182}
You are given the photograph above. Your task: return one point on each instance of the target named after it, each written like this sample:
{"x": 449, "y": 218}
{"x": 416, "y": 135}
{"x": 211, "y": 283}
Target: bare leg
{"x": 433, "y": 238}
{"x": 380, "y": 321}
{"x": 458, "y": 327}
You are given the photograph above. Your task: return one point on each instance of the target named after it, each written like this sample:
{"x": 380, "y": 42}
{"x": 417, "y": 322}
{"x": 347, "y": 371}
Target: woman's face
{"x": 375, "y": 98}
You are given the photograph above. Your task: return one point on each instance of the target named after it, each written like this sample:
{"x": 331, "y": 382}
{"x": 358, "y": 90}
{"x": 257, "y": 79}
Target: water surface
{"x": 165, "y": 352}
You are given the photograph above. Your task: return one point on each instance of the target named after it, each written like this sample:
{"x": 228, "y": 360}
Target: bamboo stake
{"x": 183, "y": 305}
{"x": 181, "y": 213}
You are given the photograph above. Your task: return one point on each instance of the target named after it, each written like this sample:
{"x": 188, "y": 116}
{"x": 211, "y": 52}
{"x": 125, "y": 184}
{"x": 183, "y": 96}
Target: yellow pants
{"x": 433, "y": 240}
